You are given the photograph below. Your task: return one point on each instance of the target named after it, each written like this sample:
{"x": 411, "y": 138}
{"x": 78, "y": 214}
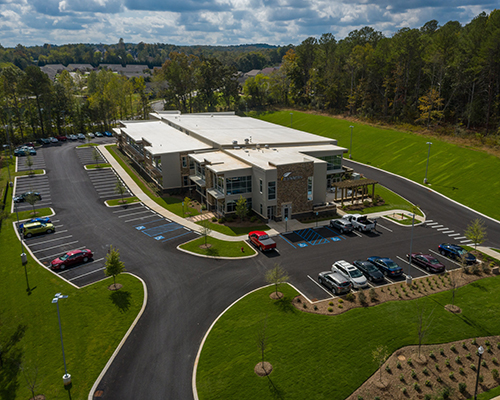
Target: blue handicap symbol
{"x": 336, "y": 239}
{"x": 302, "y": 244}
{"x": 159, "y": 237}
{"x": 140, "y": 228}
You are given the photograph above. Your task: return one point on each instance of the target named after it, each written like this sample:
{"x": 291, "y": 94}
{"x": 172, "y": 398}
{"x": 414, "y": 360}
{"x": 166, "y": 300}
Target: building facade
{"x": 280, "y": 171}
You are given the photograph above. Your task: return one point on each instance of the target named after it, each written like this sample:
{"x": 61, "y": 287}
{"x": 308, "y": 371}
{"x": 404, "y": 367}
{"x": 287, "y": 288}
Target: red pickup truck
{"x": 262, "y": 240}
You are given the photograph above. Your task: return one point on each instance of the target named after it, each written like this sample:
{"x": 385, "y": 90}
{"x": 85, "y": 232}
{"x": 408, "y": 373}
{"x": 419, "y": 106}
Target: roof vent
{"x": 266, "y": 146}
{"x": 247, "y": 141}
{"x": 236, "y": 147}
{"x": 258, "y": 146}
{"x": 235, "y": 142}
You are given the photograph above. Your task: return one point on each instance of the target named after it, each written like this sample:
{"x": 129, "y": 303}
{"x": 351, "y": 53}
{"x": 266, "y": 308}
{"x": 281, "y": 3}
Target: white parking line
{"x": 88, "y": 273}
{"x": 382, "y": 226}
{"x": 58, "y": 232}
{"x": 137, "y": 213}
{"x": 466, "y": 241}
{"x": 432, "y": 223}
{"x": 461, "y": 237}
{"x": 48, "y": 241}
{"x": 127, "y": 209}
{"x": 443, "y": 229}
{"x": 437, "y": 226}
{"x": 413, "y": 265}
{"x": 54, "y": 247}
{"x": 321, "y": 286}
{"x": 148, "y": 216}
{"x": 448, "y": 232}
{"x": 53, "y": 256}
{"x": 455, "y": 234}
{"x": 429, "y": 220}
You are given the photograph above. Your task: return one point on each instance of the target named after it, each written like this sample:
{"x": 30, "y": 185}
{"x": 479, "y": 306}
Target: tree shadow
{"x": 285, "y": 304}
{"x": 10, "y": 361}
{"x": 276, "y": 391}
{"x": 212, "y": 251}
{"x": 121, "y": 299}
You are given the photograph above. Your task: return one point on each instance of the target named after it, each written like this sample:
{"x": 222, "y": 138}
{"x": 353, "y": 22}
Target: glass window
{"x": 238, "y": 185}
{"x": 271, "y": 191}
{"x": 184, "y": 161}
{"x": 334, "y": 162}
{"x": 200, "y": 171}
{"x": 219, "y": 183}
{"x": 158, "y": 163}
{"x": 260, "y": 186}
{"x": 231, "y": 206}
{"x": 310, "y": 188}
{"x": 185, "y": 180}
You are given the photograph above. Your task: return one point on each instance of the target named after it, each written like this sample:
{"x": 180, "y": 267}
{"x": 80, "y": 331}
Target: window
{"x": 157, "y": 162}
{"x": 200, "y": 171}
{"x": 231, "y": 206}
{"x": 185, "y": 180}
{"x": 271, "y": 191}
{"x": 238, "y": 185}
{"x": 261, "y": 209}
{"x": 191, "y": 164}
{"x": 184, "y": 162}
{"x": 310, "y": 188}
{"x": 334, "y": 162}
{"x": 260, "y": 186}
{"x": 219, "y": 183}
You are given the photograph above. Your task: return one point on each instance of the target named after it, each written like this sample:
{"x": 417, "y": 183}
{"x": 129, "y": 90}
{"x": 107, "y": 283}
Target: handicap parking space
{"x": 312, "y": 237}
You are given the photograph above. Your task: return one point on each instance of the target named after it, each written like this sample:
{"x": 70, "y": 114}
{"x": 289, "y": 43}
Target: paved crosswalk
{"x": 457, "y": 236}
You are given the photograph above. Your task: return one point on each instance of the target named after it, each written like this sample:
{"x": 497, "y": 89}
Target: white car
{"x": 351, "y": 273}
{"x": 80, "y": 136}
{"x": 72, "y": 137}
{"x": 91, "y": 135}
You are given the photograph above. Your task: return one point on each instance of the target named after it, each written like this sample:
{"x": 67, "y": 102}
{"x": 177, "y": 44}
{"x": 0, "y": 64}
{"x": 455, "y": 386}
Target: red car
{"x": 262, "y": 240}
{"x": 426, "y": 261}
{"x": 71, "y": 258}
{"x": 61, "y": 138}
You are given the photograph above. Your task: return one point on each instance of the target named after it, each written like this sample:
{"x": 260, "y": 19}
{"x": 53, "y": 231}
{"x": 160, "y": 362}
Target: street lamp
{"x": 350, "y": 147}
{"x": 66, "y": 376}
{"x": 427, "y": 166}
{"x": 408, "y": 276}
{"x": 480, "y": 352}
{"x": 291, "y": 119}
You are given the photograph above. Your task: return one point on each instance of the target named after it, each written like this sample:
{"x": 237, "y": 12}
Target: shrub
{"x": 425, "y": 371}
{"x": 498, "y": 345}
{"x": 401, "y": 378}
{"x": 474, "y": 341}
{"x": 494, "y": 374}
{"x": 432, "y": 355}
{"x": 203, "y": 207}
{"x": 413, "y": 373}
{"x": 341, "y": 306}
{"x": 473, "y": 367}
{"x": 403, "y": 389}
{"x": 388, "y": 369}
{"x": 304, "y": 305}
{"x": 330, "y": 303}
{"x": 398, "y": 365}
{"x": 409, "y": 361}
{"x": 376, "y": 398}
{"x": 461, "y": 370}
{"x": 451, "y": 375}
{"x": 457, "y": 360}
{"x": 453, "y": 348}
{"x": 298, "y": 300}
{"x": 439, "y": 379}
{"x": 350, "y": 297}
{"x": 373, "y": 295}
{"x": 315, "y": 308}
{"x": 441, "y": 351}
{"x": 447, "y": 362}
{"x": 494, "y": 360}
{"x": 487, "y": 343}
{"x": 341, "y": 301}
{"x": 427, "y": 383}
{"x": 462, "y": 386}
{"x": 222, "y": 220}
{"x": 445, "y": 393}
{"x": 214, "y": 219}
{"x": 360, "y": 397}
{"x": 330, "y": 309}
{"x": 362, "y": 297}
{"x": 468, "y": 356}
{"x": 253, "y": 218}
{"x": 437, "y": 366}
{"x": 416, "y": 386}
{"x": 427, "y": 397}
{"x": 483, "y": 363}
{"x": 464, "y": 346}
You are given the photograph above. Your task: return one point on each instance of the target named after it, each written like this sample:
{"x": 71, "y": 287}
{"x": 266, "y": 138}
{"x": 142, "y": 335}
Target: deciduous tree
{"x": 113, "y": 266}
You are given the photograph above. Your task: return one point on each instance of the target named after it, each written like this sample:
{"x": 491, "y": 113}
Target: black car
{"x": 455, "y": 252}
{"x": 22, "y": 197}
{"x": 369, "y": 270}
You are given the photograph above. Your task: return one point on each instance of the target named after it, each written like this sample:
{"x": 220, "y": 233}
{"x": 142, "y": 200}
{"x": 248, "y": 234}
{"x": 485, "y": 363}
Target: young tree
{"x": 276, "y": 276}
{"x": 380, "y": 355}
{"x": 32, "y": 199}
{"x": 29, "y": 163}
{"x": 241, "y": 208}
{"x": 262, "y": 341}
{"x": 205, "y": 229}
{"x": 114, "y": 266}
{"x": 31, "y": 378}
{"x": 120, "y": 189}
{"x": 96, "y": 156}
{"x": 185, "y": 206}
{"x": 476, "y": 232}
{"x": 423, "y": 325}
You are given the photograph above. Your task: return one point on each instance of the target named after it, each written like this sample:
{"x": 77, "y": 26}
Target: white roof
{"x": 218, "y": 161}
{"x": 164, "y": 138}
{"x": 224, "y": 129}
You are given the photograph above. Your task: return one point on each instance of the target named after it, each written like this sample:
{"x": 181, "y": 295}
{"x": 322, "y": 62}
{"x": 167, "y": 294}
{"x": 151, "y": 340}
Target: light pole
{"x": 66, "y": 376}
{"x": 408, "y": 276}
{"x": 427, "y": 166}
{"x": 350, "y": 147}
{"x": 291, "y": 119}
{"x": 480, "y": 352}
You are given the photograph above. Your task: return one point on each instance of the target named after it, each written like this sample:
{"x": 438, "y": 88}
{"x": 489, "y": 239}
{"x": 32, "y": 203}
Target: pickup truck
{"x": 360, "y": 222}
{"x": 262, "y": 240}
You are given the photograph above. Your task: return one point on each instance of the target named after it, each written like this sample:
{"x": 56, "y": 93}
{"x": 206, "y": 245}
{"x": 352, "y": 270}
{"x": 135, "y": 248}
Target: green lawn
{"x": 118, "y": 202}
{"x": 93, "y": 319}
{"x": 234, "y": 230}
{"x": 87, "y": 145}
{"x": 328, "y": 356}
{"x": 220, "y": 248}
{"x": 462, "y": 174}
{"x": 172, "y": 204}
{"x": 97, "y": 166}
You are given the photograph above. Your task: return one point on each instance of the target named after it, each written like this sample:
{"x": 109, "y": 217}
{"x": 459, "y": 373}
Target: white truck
{"x": 361, "y": 222}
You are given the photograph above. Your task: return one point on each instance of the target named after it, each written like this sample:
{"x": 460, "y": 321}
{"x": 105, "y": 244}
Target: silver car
{"x": 341, "y": 225}
{"x": 350, "y": 272}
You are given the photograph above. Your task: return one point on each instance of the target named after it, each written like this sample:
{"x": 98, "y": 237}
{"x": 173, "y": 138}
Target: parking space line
{"x": 175, "y": 237}
{"x": 321, "y": 286}
{"x": 382, "y": 226}
{"x": 446, "y": 258}
{"x": 412, "y": 265}
{"x": 466, "y": 241}
{"x": 129, "y": 215}
{"x": 437, "y": 226}
{"x": 432, "y": 223}
{"x": 286, "y": 240}
{"x": 58, "y": 232}
{"x": 135, "y": 219}
{"x": 127, "y": 209}
{"x": 57, "y": 254}
{"x": 54, "y": 247}
{"x": 448, "y": 232}
{"x": 150, "y": 222}
{"x": 455, "y": 234}
{"x": 443, "y": 229}
{"x": 88, "y": 273}
{"x": 48, "y": 241}
{"x": 461, "y": 237}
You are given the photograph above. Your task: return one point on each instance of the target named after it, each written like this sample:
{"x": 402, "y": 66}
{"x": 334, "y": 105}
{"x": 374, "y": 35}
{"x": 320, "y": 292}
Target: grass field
{"x": 234, "y": 230}
{"x": 93, "y": 320}
{"x": 463, "y": 174}
{"x": 392, "y": 202}
{"x": 328, "y": 357}
{"x": 119, "y": 202}
{"x": 219, "y": 248}
{"x": 172, "y": 204}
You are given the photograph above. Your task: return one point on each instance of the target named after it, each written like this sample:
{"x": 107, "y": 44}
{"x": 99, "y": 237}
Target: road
{"x": 187, "y": 293}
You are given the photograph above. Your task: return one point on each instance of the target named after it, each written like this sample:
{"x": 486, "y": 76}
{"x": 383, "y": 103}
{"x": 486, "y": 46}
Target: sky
{"x": 217, "y": 22}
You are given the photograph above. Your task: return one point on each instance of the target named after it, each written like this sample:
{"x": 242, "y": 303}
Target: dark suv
{"x": 456, "y": 252}
{"x": 335, "y": 281}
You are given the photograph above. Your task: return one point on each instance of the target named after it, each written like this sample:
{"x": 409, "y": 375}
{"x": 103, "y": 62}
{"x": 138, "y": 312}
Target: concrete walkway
{"x": 276, "y": 227}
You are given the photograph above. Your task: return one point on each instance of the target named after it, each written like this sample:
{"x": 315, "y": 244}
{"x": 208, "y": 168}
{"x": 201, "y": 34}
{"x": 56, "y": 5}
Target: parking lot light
{"x": 480, "y": 351}
{"x": 66, "y": 376}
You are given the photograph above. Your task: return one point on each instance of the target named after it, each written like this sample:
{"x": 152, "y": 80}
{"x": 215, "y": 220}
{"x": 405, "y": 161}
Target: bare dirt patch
{"x": 205, "y": 246}
{"x": 115, "y": 286}
{"x": 276, "y": 296}
{"x": 263, "y": 368}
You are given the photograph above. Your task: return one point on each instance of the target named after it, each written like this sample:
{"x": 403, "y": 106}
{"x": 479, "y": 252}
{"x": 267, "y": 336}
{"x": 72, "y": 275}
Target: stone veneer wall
{"x": 184, "y": 170}
{"x": 294, "y": 190}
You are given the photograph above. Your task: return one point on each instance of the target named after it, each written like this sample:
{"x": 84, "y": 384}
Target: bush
{"x": 432, "y": 355}
{"x": 441, "y": 351}
{"x": 425, "y": 371}
{"x": 464, "y": 346}
{"x": 253, "y": 218}
{"x": 447, "y": 362}
{"x": 427, "y": 397}
{"x": 494, "y": 360}
{"x": 330, "y": 303}
{"x": 409, "y": 361}
{"x": 494, "y": 374}
{"x": 214, "y": 219}
{"x": 451, "y": 375}
{"x": 473, "y": 367}
{"x": 401, "y": 378}
{"x": 474, "y": 341}
{"x": 362, "y": 297}
{"x": 350, "y": 297}
{"x": 388, "y": 369}
{"x": 416, "y": 386}
{"x": 461, "y": 370}
{"x": 203, "y": 207}
{"x": 462, "y": 386}
{"x": 222, "y": 220}
{"x": 403, "y": 389}
{"x": 427, "y": 383}
{"x": 398, "y": 365}
{"x": 457, "y": 360}
{"x": 413, "y": 373}
{"x": 453, "y": 348}
{"x": 373, "y": 295}
{"x": 360, "y": 397}
{"x": 445, "y": 393}
{"x": 330, "y": 309}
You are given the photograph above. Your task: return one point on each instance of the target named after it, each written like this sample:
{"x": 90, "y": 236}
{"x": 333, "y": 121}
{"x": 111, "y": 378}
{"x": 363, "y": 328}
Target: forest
{"x": 446, "y": 78}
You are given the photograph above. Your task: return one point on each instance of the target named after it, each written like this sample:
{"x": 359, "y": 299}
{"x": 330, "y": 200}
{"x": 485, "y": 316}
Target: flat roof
{"x": 223, "y": 129}
{"x": 220, "y": 161}
{"x": 164, "y": 138}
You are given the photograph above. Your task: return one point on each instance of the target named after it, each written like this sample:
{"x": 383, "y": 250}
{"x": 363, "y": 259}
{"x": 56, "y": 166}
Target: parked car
{"x": 24, "y": 151}
{"x": 351, "y": 273}
{"x": 45, "y": 220}
{"x": 80, "y": 136}
{"x": 456, "y": 252}
{"x": 61, "y": 138}
{"x": 99, "y": 134}
{"x": 262, "y": 240}
{"x": 427, "y": 261}
{"x": 71, "y": 258}
{"x": 341, "y": 225}
{"x": 108, "y": 134}
{"x": 35, "y": 228}
{"x": 44, "y": 141}
{"x": 90, "y": 135}
{"x": 22, "y": 197}
{"x": 72, "y": 137}
{"x": 369, "y": 270}
{"x": 386, "y": 266}
{"x": 53, "y": 140}
{"x": 360, "y": 222}
{"x": 335, "y": 281}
